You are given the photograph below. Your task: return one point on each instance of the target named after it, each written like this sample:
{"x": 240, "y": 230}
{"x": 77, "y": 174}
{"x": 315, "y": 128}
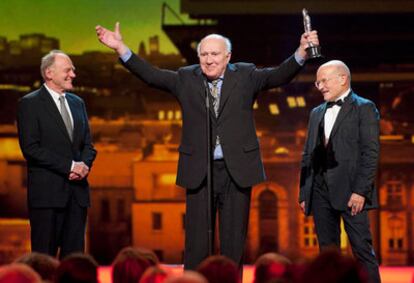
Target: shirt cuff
{"x": 299, "y": 59}
{"x": 125, "y": 57}
{"x": 73, "y": 165}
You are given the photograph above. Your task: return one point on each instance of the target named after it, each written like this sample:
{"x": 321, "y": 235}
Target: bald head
{"x": 337, "y": 66}
{"x": 333, "y": 79}
{"x": 214, "y": 36}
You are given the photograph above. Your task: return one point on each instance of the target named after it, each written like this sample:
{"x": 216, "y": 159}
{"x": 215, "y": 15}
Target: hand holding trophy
{"x": 314, "y": 51}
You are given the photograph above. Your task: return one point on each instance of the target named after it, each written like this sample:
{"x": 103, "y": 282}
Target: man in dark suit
{"x": 237, "y": 164}
{"x": 56, "y": 143}
{"x": 339, "y": 164}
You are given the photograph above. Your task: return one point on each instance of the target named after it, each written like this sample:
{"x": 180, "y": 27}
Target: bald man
{"x": 237, "y": 164}
{"x": 339, "y": 164}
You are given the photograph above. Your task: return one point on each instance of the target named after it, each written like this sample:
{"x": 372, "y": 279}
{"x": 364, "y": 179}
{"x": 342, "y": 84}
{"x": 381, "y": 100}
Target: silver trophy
{"x": 314, "y": 51}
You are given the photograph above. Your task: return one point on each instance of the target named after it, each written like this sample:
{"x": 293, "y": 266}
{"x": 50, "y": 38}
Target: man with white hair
{"x": 237, "y": 164}
{"x": 339, "y": 165}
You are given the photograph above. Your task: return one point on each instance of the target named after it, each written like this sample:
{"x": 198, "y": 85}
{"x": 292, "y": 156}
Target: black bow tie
{"x": 332, "y": 103}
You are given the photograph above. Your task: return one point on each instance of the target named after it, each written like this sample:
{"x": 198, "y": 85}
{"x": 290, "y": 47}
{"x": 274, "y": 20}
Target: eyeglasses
{"x": 324, "y": 81}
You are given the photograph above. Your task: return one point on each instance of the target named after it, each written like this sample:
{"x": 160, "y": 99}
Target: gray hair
{"x": 48, "y": 61}
{"x": 227, "y": 41}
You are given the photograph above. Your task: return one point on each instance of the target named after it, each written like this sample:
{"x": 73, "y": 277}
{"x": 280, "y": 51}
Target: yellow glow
{"x": 255, "y": 105}
{"x": 166, "y": 179}
{"x": 9, "y": 148}
{"x": 15, "y": 87}
{"x": 177, "y": 115}
{"x": 291, "y": 101}
{"x": 391, "y": 137}
{"x": 161, "y": 115}
{"x": 170, "y": 114}
{"x": 301, "y": 101}
{"x": 274, "y": 109}
{"x": 344, "y": 238}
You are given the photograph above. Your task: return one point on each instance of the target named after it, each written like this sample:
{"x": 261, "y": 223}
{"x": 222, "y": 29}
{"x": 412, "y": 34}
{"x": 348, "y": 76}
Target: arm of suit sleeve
{"x": 153, "y": 76}
{"x": 88, "y": 152}
{"x": 369, "y": 151}
{"x": 267, "y": 78}
{"x": 305, "y": 168}
{"x": 29, "y": 138}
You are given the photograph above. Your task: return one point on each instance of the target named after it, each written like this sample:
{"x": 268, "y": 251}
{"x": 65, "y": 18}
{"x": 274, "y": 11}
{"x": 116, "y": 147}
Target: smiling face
{"x": 214, "y": 57}
{"x": 332, "y": 81}
{"x": 60, "y": 74}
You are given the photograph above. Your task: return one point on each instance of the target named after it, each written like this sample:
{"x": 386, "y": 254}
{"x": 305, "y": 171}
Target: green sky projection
{"x": 73, "y": 21}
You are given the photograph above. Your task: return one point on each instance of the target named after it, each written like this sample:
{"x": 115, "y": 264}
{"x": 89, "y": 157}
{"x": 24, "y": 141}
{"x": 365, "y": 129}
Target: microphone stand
{"x": 209, "y": 172}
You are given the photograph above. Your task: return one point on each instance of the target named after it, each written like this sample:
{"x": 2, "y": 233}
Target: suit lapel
{"x": 346, "y": 107}
{"x": 229, "y": 82}
{"x": 319, "y": 115}
{"x": 51, "y": 108}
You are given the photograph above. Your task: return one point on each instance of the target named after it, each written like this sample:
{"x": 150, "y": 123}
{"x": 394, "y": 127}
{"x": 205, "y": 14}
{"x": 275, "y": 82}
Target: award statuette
{"x": 314, "y": 51}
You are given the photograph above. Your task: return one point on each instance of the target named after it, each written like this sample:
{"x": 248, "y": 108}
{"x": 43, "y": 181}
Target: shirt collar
{"x": 55, "y": 95}
{"x": 345, "y": 94}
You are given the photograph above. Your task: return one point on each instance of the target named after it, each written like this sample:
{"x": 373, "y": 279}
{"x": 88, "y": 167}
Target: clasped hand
{"x": 80, "y": 171}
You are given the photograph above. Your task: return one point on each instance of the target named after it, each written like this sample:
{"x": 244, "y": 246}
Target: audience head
{"x": 77, "y": 268}
{"x": 147, "y": 254}
{"x": 219, "y": 269}
{"x": 187, "y": 277}
{"x": 18, "y": 273}
{"x": 270, "y": 266}
{"x": 331, "y": 266}
{"x": 43, "y": 264}
{"x": 154, "y": 274}
{"x": 129, "y": 266}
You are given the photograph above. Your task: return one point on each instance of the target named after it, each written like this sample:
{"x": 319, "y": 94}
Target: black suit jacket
{"x": 49, "y": 151}
{"x": 352, "y": 154}
{"x": 235, "y": 124}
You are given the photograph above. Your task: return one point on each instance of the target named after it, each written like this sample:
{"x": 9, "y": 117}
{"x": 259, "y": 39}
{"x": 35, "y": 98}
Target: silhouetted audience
{"x": 43, "y": 264}
{"x": 18, "y": 273}
{"x": 330, "y": 266}
{"x": 188, "y": 276}
{"x": 218, "y": 269}
{"x": 148, "y": 255}
{"x": 271, "y": 266}
{"x": 154, "y": 274}
{"x": 129, "y": 266}
{"x": 77, "y": 268}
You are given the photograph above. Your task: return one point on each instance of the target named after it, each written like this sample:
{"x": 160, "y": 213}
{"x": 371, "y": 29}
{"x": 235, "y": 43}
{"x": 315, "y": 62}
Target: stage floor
{"x": 388, "y": 274}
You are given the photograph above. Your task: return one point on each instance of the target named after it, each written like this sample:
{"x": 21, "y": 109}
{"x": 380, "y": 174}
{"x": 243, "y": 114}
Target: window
{"x": 156, "y": 221}
{"x": 120, "y": 210}
{"x": 309, "y": 235}
{"x": 396, "y": 238}
{"x": 105, "y": 210}
{"x": 395, "y": 193}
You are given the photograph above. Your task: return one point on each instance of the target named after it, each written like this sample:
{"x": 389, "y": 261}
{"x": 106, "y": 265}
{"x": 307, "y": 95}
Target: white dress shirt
{"x": 55, "y": 96}
{"x": 330, "y": 116}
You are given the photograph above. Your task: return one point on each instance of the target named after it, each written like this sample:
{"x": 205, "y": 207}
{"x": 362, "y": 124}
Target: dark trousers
{"x": 232, "y": 204}
{"x": 52, "y": 228}
{"x": 327, "y": 225}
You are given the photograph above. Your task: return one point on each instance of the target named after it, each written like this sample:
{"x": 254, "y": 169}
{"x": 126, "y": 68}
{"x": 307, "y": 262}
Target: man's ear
{"x": 48, "y": 73}
{"x": 228, "y": 57}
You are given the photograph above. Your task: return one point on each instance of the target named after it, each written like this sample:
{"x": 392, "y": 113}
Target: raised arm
{"x": 112, "y": 39}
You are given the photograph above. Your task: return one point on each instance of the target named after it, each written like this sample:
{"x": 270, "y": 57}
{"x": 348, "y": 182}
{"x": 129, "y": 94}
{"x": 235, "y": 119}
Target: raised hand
{"x": 306, "y": 38}
{"x": 112, "y": 39}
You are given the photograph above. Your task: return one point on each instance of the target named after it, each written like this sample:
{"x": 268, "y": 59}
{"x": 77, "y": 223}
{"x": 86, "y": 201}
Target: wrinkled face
{"x": 214, "y": 57}
{"x": 60, "y": 74}
{"x": 331, "y": 83}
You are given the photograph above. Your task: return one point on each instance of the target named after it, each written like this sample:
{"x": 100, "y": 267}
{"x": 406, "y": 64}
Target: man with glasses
{"x": 339, "y": 165}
